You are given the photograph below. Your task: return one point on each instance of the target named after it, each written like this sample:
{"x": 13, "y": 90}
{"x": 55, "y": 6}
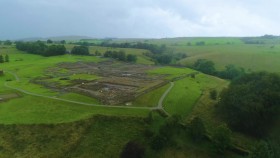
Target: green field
{"x": 250, "y": 57}
{"x": 223, "y": 51}
{"x": 150, "y": 99}
{"x": 36, "y": 120}
{"x": 141, "y": 59}
{"x": 186, "y": 93}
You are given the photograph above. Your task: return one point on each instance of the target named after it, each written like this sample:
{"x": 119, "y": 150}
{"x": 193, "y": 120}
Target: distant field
{"x": 224, "y": 51}
{"x": 184, "y": 40}
{"x": 250, "y": 57}
{"x": 141, "y": 59}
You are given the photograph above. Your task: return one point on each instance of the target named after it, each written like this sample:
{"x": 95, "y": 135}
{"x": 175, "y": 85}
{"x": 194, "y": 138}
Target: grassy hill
{"x": 98, "y": 136}
{"x": 251, "y": 53}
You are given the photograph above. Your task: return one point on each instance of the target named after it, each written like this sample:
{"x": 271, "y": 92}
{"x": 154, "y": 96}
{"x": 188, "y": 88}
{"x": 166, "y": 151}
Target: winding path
{"x": 66, "y": 100}
{"x": 160, "y": 106}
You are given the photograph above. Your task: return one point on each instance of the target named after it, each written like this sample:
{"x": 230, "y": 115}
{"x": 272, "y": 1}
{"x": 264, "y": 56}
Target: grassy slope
{"x": 224, "y": 51}
{"x": 150, "y": 99}
{"x": 30, "y": 110}
{"x": 251, "y": 57}
{"x": 98, "y": 136}
{"x": 185, "y": 93}
{"x": 182, "y": 97}
{"x": 171, "y": 72}
{"x": 205, "y": 109}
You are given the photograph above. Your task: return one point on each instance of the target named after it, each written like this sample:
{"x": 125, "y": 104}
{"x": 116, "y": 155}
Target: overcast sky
{"x": 138, "y": 18}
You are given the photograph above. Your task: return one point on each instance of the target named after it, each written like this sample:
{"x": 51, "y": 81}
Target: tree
{"x": 262, "y": 150}
{"x": 251, "y": 102}
{"x": 164, "y": 59}
{"x": 63, "y": 42}
{"x": 205, "y": 66}
{"x": 131, "y": 58}
{"x": 54, "y": 50}
{"x": 213, "y": 94}
{"x": 97, "y": 53}
{"x": 41, "y": 48}
{"x": 158, "y": 142}
{"x": 197, "y": 129}
{"x": 7, "y": 58}
{"x": 133, "y": 149}
{"x": 231, "y": 72}
{"x": 221, "y": 138}
{"x": 8, "y": 42}
{"x": 201, "y": 43}
{"x": 49, "y": 41}
{"x": 1, "y": 59}
{"x": 121, "y": 55}
{"x": 80, "y": 50}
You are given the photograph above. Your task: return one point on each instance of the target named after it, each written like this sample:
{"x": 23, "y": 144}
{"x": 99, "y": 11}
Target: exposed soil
{"x": 120, "y": 82}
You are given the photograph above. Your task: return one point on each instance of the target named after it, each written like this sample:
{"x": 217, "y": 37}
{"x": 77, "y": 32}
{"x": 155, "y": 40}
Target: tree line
{"x": 251, "y": 103}
{"x": 4, "y": 58}
{"x": 160, "y": 54}
{"x": 120, "y": 55}
{"x": 7, "y": 42}
{"x": 40, "y": 48}
{"x": 208, "y": 67}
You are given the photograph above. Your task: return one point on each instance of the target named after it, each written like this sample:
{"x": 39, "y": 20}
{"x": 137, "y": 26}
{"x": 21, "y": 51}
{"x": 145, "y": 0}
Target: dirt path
{"x": 66, "y": 100}
{"x": 160, "y": 106}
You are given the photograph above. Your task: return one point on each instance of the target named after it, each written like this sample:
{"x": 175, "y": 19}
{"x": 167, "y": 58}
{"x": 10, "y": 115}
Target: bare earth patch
{"x": 118, "y": 83}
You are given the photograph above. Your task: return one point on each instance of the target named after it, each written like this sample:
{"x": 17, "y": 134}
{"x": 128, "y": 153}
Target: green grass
{"x": 30, "y": 109}
{"x": 150, "y": 99}
{"x": 186, "y": 92}
{"x": 98, "y": 136}
{"x": 141, "y": 59}
{"x": 182, "y": 97}
{"x": 37, "y": 110}
{"x": 250, "y": 57}
{"x": 171, "y": 72}
{"x": 80, "y": 98}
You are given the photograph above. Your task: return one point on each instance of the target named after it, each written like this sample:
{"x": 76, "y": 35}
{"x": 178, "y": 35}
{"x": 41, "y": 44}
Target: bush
{"x": 131, "y": 58}
{"x": 133, "y": 149}
{"x": 213, "y": 94}
{"x": 205, "y": 66}
{"x": 80, "y": 50}
{"x": 262, "y": 150}
{"x": 197, "y": 129}
{"x": 158, "y": 142}
{"x": 221, "y": 138}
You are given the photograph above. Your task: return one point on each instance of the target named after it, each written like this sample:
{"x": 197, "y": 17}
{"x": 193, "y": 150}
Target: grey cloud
{"x": 137, "y": 18}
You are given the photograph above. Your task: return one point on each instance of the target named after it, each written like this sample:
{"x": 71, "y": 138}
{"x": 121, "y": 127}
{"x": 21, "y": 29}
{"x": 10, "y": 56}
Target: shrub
{"x": 133, "y": 149}
{"x": 213, "y": 94}
{"x": 221, "y": 138}
{"x": 197, "y": 129}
